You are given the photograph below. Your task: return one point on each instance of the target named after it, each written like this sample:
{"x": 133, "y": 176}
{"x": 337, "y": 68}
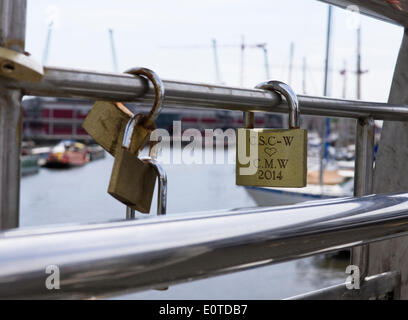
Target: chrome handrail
{"x": 103, "y": 259}
{"x": 62, "y": 82}
{"x": 111, "y": 258}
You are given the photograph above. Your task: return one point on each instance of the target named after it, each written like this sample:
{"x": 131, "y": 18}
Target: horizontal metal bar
{"x": 123, "y": 87}
{"x": 104, "y": 259}
{"x": 380, "y": 286}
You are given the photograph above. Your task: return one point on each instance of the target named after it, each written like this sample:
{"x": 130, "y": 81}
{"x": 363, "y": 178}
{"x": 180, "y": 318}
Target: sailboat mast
{"x": 304, "y": 70}
{"x": 241, "y": 73}
{"x": 325, "y": 130}
{"x": 343, "y": 73}
{"x": 359, "y": 71}
{"x": 291, "y": 56}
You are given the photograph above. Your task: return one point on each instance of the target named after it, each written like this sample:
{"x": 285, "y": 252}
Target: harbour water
{"x": 79, "y": 195}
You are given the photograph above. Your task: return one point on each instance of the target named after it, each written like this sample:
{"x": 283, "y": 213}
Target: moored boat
{"x": 336, "y": 184}
{"x": 68, "y": 153}
{"x": 96, "y": 152}
{"x": 29, "y": 165}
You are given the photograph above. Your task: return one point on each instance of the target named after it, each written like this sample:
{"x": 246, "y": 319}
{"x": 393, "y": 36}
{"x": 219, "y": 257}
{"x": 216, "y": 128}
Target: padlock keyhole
{"x": 7, "y": 67}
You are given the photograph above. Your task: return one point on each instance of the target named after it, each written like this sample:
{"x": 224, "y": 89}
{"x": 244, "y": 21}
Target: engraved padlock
{"x": 106, "y": 121}
{"x": 273, "y": 157}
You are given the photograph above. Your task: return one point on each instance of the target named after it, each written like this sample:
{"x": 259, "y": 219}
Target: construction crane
{"x": 52, "y": 19}
{"x": 114, "y": 59}
{"x": 47, "y": 43}
{"x": 243, "y": 46}
{"x": 216, "y": 63}
{"x": 263, "y": 47}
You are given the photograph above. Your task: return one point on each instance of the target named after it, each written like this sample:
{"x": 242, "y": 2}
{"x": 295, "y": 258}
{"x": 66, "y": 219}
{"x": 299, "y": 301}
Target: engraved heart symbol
{"x": 270, "y": 151}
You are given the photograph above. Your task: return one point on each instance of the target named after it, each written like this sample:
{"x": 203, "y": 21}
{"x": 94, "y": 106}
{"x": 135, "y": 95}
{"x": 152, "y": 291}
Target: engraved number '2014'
{"x": 269, "y": 175}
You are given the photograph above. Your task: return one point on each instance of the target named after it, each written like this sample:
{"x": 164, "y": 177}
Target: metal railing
{"x": 102, "y": 259}
{"x": 63, "y": 82}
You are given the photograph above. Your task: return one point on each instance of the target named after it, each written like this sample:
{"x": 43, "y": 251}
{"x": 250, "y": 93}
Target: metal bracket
{"x": 18, "y": 66}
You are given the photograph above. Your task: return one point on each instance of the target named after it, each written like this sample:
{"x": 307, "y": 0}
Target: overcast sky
{"x": 157, "y": 34}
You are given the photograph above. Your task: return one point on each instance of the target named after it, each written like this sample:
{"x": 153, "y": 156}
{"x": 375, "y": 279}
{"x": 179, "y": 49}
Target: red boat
{"x": 68, "y": 153}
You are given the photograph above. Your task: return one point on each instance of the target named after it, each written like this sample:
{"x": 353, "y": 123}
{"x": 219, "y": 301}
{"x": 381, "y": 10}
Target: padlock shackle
{"x": 127, "y": 135}
{"x": 162, "y": 185}
{"x": 290, "y": 96}
{"x": 158, "y": 89}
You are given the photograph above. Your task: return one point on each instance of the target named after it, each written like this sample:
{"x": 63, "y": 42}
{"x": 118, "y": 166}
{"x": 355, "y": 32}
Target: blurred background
{"x": 233, "y": 43}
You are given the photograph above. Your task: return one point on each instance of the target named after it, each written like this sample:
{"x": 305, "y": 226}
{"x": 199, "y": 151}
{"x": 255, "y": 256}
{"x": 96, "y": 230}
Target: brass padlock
{"x": 106, "y": 121}
{"x": 132, "y": 180}
{"x": 273, "y": 157}
{"x": 161, "y": 192}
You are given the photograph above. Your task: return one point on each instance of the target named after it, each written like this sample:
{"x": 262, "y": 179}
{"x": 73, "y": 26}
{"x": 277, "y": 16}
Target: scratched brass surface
{"x": 106, "y": 123}
{"x": 132, "y": 181}
{"x": 281, "y": 160}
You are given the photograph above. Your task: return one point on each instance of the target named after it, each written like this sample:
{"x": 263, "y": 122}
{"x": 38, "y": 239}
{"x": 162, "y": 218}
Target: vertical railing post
{"x": 12, "y": 36}
{"x": 363, "y": 181}
{"x": 363, "y": 177}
